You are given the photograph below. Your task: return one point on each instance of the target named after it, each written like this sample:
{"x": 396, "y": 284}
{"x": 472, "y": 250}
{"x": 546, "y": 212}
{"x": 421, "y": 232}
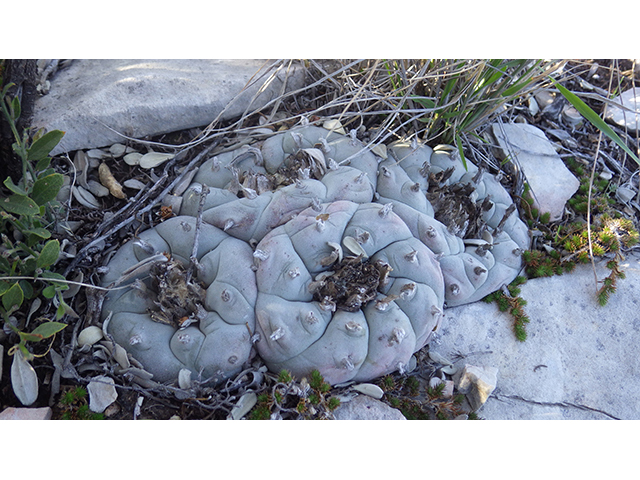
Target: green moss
{"x": 285, "y": 376}
{"x": 334, "y": 402}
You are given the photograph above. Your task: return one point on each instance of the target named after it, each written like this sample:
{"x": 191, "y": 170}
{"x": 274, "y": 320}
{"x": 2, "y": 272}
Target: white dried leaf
{"x": 117, "y": 150}
{"x": 133, "y": 183}
{"x": 97, "y": 189}
{"x": 317, "y": 156}
{"x": 436, "y": 357}
{"x": 81, "y": 164}
{"x": 120, "y": 354}
{"x": 625, "y": 194}
{"x": 449, "y": 369}
{"x": 64, "y": 194}
{"x": 353, "y": 245}
{"x": 334, "y": 126}
{"x": 413, "y": 364}
{"x": 184, "y": 378}
{"x": 35, "y": 305}
{"x": 244, "y": 405}
{"x": 23, "y": 379}
{"x": 380, "y": 150}
{"x": 434, "y": 382}
{"x": 96, "y": 153}
{"x": 369, "y": 389}
{"x": 153, "y": 159}
{"x": 84, "y": 197}
{"x": 132, "y": 158}
{"x": 89, "y": 336}
{"x": 183, "y": 184}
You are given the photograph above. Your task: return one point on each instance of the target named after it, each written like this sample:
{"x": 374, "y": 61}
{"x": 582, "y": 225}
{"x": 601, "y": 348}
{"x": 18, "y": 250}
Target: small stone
{"x": 12, "y": 413}
{"x": 544, "y": 98}
{"x": 476, "y": 383}
{"x": 447, "y": 392}
{"x": 112, "y": 410}
{"x": 571, "y": 116}
{"x": 102, "y": 393}
{"x": 364, "y": 407}
{"x": 629, "y": 99}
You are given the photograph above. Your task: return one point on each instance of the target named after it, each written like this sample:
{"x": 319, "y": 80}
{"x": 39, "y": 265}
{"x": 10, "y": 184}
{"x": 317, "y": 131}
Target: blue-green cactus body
{"x": 271, "y": 242}
{"x": 220, "y": 343}
{"x": 358, "y": 345}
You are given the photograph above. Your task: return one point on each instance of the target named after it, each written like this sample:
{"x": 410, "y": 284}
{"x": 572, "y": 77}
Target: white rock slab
{"x": 149, "y": 97}
{"x": 629, "y": 99}
{"x": 552, "y": 184}
{"x": 580, "y": 360}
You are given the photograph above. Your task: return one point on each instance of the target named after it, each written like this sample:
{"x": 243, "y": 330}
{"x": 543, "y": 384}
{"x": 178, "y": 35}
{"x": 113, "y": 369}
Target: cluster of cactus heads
{"x": 318, "y": 253}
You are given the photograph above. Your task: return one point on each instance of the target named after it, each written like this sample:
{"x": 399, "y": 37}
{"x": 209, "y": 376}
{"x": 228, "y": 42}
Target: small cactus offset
{"x": 317, "y": 252}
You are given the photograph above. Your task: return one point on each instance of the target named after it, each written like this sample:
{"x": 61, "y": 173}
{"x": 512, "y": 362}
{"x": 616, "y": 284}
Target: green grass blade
{"x": 460, "y": 151}
{"x": 595, "y": 120}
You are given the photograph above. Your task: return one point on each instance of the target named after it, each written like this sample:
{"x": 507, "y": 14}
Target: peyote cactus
{"x": 354, "y": 313}
{"x": 322, "y": 254}
{"x": 168, "y": 322}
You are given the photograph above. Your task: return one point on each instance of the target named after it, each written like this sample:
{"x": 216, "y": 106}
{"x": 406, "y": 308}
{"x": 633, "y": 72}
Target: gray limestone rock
{"x": 552, "y": 184}
{"x": 91, "y": 98}
{"x": 363, "y": 407}
{"x": 579, "y": 361}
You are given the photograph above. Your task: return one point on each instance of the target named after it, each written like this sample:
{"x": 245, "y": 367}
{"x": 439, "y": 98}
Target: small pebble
{"x": 12, "y": 413}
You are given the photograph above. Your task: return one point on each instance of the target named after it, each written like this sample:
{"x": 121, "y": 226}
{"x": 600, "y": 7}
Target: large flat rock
{"x": 93, "y": 100}
{"x": 580, "y": 360}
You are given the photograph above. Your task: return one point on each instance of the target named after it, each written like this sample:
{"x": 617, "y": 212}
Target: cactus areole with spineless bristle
{"x": 316, "y": 253}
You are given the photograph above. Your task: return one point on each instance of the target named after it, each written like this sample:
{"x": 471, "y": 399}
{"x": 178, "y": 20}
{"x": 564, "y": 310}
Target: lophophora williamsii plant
{"x": 318, "y": 253}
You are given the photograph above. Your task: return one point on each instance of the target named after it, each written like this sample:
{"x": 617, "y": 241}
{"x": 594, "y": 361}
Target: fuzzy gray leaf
{"x": 24, "y": 379}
